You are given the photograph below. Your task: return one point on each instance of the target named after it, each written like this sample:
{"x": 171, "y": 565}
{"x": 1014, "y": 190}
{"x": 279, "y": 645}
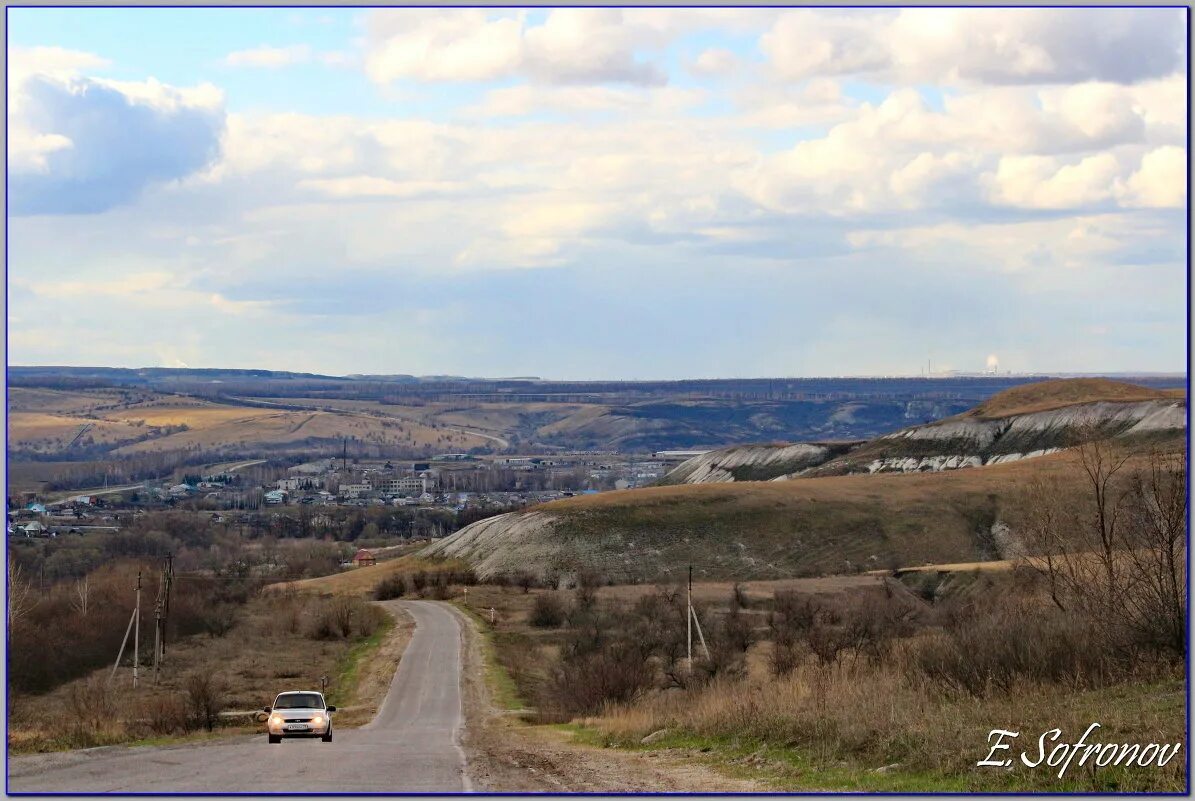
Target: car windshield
{"x": 299, "y": 701}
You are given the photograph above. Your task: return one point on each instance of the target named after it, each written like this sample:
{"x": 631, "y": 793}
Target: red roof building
{"x": 364, "y": 558}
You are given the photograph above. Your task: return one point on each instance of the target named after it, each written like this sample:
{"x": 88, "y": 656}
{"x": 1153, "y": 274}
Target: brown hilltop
{"x": 1043, "y": 396}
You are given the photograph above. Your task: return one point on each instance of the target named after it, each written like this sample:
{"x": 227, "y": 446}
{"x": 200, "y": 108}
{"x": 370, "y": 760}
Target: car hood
{"x": 301, "y": 710}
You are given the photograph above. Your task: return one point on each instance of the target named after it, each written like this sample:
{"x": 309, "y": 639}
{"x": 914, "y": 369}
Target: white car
{"x": 302, "y": 713}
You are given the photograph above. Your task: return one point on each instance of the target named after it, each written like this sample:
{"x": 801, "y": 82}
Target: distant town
{"x": 258, "y": 491}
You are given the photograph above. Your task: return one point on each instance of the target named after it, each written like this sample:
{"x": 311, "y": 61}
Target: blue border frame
{"x": 599, "y": 5}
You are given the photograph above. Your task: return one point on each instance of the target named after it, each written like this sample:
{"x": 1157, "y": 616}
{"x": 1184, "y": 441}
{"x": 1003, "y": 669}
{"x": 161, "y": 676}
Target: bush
{"x": 584, "y": 683}
{"x": 548, "y": 612}
{"x": 205, "y": 700}
{"x": 219, "y": 619}
{"x": 341, "y": 619}
{"x": 93, "y": 703}
{"x": 993, "y": 648}
{"x": 390, "y": 587}
{"x": 166, "y": 714}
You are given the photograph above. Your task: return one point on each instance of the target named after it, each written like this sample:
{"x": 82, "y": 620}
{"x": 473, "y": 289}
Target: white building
{"x": 407, "y": 485}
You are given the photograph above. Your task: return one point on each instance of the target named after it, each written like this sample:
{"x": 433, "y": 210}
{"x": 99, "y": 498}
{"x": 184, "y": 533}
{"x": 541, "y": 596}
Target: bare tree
{"x": 20, "y": 595}
{"x": 1120, "y": 562}
{"x": 1042, "y": 534}
{"x": 1101, "y": 463}
{"x": 82, "y": 600}
{"x": 1155, "y": 546}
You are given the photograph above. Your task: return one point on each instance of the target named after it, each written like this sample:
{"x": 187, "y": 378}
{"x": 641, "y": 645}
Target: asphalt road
{"x": 412, "y": 745}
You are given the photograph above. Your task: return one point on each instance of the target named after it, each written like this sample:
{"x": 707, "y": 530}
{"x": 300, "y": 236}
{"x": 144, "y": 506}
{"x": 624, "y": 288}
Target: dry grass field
{"x": 265, "y": 652}
{"x": 858, "y": 723}
{"x": 360, "y": 581}
{"x": 1046, "y": 395}
{"x": 497, "y": 421}
{"x": 47, "y": 421}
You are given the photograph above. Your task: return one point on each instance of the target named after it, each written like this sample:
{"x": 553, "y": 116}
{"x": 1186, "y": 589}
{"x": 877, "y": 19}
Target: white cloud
{"x": 715, "y": 61}
{"x": 523, "y": 99}
{"x": 460, "y": 45}
{"x": 807, "y": 43}
{"x": 79, "y": 144}
{"x": 267, "y": 57}
{"x": 979, "y": 46}
{"x": 365, "y": 186}
{"x": 1160, "y": 181}
{"x": 572, "y": 45}
{"x": 1043, "y": 182}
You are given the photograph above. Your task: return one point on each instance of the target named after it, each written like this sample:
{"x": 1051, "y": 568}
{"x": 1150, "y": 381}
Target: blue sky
{"x": 601, "y": 193}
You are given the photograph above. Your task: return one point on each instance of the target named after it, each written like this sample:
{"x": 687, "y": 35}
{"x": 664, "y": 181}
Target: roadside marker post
{"x": 493, "y": 615}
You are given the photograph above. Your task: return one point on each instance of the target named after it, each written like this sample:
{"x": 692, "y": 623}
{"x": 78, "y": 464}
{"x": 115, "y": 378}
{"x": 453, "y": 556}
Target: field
{"x": 857, "y": 723}
{"x": 264, "y": 652}
{"x": 361, "y": 581}
{"x": 45, "y": 423}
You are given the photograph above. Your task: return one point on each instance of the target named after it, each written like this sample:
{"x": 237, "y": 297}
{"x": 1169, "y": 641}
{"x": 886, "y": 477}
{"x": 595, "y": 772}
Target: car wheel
{"x": 327, "y": 738}
{"x": 275, "y": 738}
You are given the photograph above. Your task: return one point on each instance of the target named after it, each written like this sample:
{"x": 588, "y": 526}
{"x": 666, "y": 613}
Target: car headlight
{"x": 318, "y": 720}
{"x": 275, "y": 721}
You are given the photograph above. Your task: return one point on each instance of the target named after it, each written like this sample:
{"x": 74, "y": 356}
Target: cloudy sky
{"x": 598, "y": 193}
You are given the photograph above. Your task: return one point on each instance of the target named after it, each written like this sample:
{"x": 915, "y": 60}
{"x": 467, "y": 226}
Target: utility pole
{"x": 158, "y": 625}
{"x": 161, "y": 612}
{"x": 137, "y": 632}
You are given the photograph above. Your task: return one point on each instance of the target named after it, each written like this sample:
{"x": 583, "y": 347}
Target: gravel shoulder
{"x": 507, "y": 755}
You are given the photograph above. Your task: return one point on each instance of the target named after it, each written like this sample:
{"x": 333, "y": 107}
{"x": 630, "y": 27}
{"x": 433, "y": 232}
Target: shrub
{"x": 584, "y": 683}
{"x": 464, "y": 578}
{"x": 341, "y": 619}
{"x": 994, "y": 647}
{"x": 93, "y": 703}
{"x": 205, "y": 700}
{"x": 736, "y": 630}
{"x": 548, "y": 611}
{"x": 784, "y": 657}
{"x": 166, "y": 714}
{"x": 219, "y": 619}
{"x": 390, "y": 587}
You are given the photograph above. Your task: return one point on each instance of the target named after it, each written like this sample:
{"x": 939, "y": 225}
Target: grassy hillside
{"x": 763, "y": 530}
{"x": 1046, "y": 395}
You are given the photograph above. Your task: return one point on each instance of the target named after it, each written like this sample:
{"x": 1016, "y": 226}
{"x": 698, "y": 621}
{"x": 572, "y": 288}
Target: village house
{"x": 364, "y": 558}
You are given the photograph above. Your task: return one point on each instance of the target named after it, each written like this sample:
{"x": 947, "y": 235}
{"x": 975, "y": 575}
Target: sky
{"x": 598, "y": 193}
